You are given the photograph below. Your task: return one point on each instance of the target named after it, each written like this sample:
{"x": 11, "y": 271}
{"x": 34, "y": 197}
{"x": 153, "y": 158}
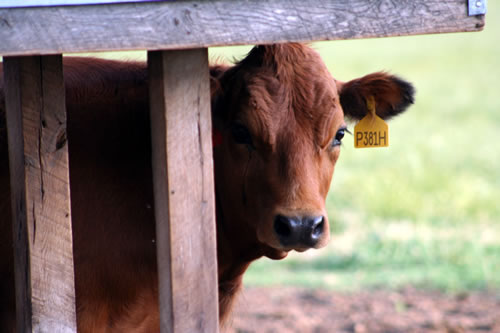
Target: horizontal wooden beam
{"x": 42, "y": 3}
{"x": 194, "y": 24}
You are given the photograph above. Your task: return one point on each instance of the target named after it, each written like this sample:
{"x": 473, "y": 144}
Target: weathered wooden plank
{"x": 41, "y": 3}
{"x": 38, "y": 157}
{"x": 184, "y": 190}
{"x": 191, "y": 23}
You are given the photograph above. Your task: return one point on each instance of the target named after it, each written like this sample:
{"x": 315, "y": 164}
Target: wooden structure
{"x": 177, "y": 34}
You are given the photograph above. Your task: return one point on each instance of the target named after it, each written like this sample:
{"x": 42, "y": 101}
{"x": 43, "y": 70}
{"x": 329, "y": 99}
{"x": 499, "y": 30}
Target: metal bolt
{"x": 478, "y": 4}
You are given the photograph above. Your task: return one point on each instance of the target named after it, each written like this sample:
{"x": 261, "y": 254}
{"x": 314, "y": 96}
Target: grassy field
{"x": 426, "y": 211}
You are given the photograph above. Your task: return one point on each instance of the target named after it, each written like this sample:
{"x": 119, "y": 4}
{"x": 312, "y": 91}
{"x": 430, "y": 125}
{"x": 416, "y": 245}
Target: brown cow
{"x": 280, "y": 119}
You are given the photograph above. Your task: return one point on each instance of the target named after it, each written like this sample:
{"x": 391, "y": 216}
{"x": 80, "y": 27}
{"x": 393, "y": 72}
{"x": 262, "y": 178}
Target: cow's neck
{"x": 234, "y": 257}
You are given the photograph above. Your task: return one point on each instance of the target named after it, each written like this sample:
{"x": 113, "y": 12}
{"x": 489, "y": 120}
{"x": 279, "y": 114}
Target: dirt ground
{"x": 408, "y": 310}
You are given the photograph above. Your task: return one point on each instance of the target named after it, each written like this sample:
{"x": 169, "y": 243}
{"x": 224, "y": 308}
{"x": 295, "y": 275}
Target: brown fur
{"x": 292, "y": 108}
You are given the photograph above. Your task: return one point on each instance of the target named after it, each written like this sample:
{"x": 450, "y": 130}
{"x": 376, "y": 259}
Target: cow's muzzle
{"x": 299, "y": 232}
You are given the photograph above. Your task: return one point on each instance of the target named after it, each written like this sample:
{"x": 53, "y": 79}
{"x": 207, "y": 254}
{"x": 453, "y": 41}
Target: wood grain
{"x": 184, "y": 190}
{"x": 38, "y": 157}
{"x": 40, "y": 3}
{"x": 191, "y": 24}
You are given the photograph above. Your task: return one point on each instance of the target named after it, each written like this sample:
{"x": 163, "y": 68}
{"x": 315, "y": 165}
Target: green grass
{"x": 374, "y": 257}
{"x": 426, "y": 211}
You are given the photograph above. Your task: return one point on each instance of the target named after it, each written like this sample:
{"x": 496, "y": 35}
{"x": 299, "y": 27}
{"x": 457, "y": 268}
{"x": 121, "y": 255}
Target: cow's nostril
{"x": 282, "y": 226}
{"x": 318, "y": 226}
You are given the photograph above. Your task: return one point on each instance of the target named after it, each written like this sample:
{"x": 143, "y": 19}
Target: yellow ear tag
{"x": 371, "y": 131}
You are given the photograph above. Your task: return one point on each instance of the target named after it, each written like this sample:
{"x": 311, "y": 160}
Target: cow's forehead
{"x": 306, "y": 91}
{"x": 306, "y": 103}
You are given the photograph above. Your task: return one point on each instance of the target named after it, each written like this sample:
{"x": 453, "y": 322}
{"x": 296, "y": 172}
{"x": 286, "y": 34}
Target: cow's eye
{"x": 338, "y": 137}
{"x": 241, "y": 134}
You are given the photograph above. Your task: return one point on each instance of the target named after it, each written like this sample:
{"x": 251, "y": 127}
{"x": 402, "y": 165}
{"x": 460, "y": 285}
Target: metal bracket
{"x": 477, "y": 7}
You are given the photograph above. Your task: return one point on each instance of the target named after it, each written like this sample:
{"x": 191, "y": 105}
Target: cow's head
{"x": 281, "y": 118}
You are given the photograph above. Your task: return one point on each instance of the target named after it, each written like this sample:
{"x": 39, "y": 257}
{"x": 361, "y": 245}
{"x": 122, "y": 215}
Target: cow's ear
{"x": 392, "y": 95}
{"x": 219, "y": 77}
{"x": 216, "y": 73}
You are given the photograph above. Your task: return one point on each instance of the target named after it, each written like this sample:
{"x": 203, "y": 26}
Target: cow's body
{"x": 279, "y": 114}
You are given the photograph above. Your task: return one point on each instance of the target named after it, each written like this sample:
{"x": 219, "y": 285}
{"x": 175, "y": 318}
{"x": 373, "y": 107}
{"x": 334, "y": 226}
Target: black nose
{"x": 299, "y": 231}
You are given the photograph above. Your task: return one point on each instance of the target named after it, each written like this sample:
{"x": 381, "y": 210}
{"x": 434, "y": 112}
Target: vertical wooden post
{"x": 38, "y": 157}
{"x": 184, "y": 190}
